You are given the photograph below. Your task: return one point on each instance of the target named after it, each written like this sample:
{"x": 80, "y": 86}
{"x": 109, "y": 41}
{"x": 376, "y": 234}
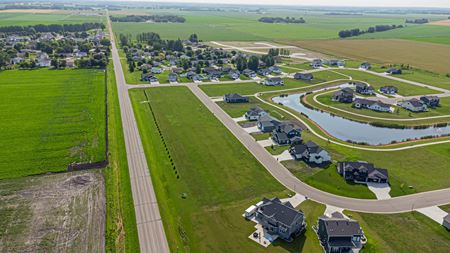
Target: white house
{"x": 414, "y": 105}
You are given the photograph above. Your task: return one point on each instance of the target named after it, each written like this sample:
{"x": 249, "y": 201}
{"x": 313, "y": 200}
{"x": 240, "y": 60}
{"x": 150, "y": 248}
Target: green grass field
{"x": 50, "y": 118}
{"x": 235, "y": 26}
{"x": 24, "y": 19}
{"x": 219, "y": 176}
{"x": 121, "y": 230}
{"x": 215, "y": 90}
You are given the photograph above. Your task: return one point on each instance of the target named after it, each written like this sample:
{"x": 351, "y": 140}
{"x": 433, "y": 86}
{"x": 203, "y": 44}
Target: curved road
{"x": 284, "y": 176}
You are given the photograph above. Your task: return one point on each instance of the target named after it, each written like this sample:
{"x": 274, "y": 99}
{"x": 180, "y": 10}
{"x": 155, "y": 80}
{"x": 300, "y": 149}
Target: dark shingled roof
{"x": 341, "y": 226}
{"x": 341, "y": 242}
{"x": 281, "y": 212}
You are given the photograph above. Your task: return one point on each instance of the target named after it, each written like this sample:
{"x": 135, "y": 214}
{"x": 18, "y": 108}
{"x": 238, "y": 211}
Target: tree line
{"x": 357, "y": 31}
{"x": 288, "y": 20}
{"x": 32, "y": 29}
{"x": 153, "y": 18}
{"x": 417, "y": 21}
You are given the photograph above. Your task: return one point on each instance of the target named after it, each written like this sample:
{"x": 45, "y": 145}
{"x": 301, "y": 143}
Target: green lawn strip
{"x": 399, "y": 113}
{"x": 397, "y": 237}
{"x": 130, "y": 77}
{"x": 260, "y": 136}
{"x": 446, "y": 208}
{"x": 427, "y": 77}
{"x": 327, "y": 179}
{"x": 121, "y": 230}
{"x": 219, "y": 176}
{"x": 50, "y": 118}
{"x": 26, "y": 19}
{"x": 276, "y": 149}
{"x": 236, "y": 110}
{"x": 377, "y": 82}
{"x": 214, "y": 90}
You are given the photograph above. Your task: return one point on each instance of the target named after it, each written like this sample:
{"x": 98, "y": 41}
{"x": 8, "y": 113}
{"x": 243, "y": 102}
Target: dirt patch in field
{"x": 54, "y": 213}
{"x": 445, "y": 22}
{"x": 423, "y": 55}
{"x": 29, "y": 11}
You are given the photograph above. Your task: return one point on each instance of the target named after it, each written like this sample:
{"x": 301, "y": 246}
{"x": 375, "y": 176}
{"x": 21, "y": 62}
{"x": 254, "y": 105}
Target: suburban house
{"x": 149, "y": 78}
{"x": 267, "y": 124}
{"x": 156, "y": 70}
{"x": 365, "y": 65}
{"x": 303, "y": 76}
{"x": 414, "y": 105}
{"x": 362, "y": 172}
{"x": 310, "y": 152}
{"x": 249, "y": 73}
{"x": 394, "y": 71}
{"x": 274, "y": 81}
{"x": 389, "y": 90}
{"x": 338, "y": 234}
{"x": 364, "y": 88}
{"x": 316, "y": 63}
{"x": 234, "y": 74}
{"x": 235, "y": 98}
{"x": 431, "y": 101}
{"x": 377, "y": 106}
{"x": 446, "y": 222}
{"x": 255, "y": 113}
{"x": 275, "y": 69}
{"x": 344, "y": 96}
{"x": 337, "y": 63}
{"x": 280, "y": 219}
{"x": 285, "y": 133}
{"x": 172, "y": 77}
{"x": 214, "y": 75}
{"x": 264, "y": 72}
{"x": 44, "y": 60}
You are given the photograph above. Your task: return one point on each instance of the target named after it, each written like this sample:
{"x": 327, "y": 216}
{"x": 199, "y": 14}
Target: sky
{"x": 378, "y": 3}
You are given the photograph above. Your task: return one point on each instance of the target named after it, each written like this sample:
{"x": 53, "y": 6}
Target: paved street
{"x": 393, "y": 205}
{"x": 150, "y": 227}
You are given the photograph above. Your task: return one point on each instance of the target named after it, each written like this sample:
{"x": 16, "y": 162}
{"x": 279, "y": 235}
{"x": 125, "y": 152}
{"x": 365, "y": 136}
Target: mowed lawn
{"x": 214, "y": 90}
{"x": 50, "y": 118}
{"x": 429, "y": 56}
{"x": 218, "y": 177}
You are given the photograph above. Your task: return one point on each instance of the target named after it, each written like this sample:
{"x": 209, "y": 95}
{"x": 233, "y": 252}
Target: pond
{"x": 357, "y": 132}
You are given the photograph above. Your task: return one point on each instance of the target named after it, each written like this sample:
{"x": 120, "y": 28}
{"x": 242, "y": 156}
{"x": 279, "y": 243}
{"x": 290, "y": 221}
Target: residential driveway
{"x": 266, "y": 143}
{"x": 240, "y": 119}
{"x": 332, "y": 209}
{"x": 295, "y": 200}
{"x": 217, "y": 99}
{"x": 434, "y": 213}
{"x": 380, "y": 190}
{"x": 253, "y": 129}
{"x": 285, "y": 156}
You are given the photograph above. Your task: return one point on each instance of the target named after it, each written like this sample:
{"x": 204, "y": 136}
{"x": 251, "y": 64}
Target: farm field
{"x": 245, "y": 26}
{"x": 26, "y": 18}
{"x": 427, "y": 56}
{"x": 53, "y": 213}
{"x": 50, "y": 118}
{"x": 203, "y": 194}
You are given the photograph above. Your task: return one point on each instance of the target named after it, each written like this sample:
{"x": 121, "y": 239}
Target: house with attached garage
{"x": 414, "y": 105}
{"x": 309, "y": 152}
{"x": 280, "y": 219}
{"x": 275, "y": 69}
{"x": 249, "y": 73}
{"x": 235, "y": 98}
{"x": 362, "y": 172}
{"x": 430, "y": 101}
{"x": 172, "y": 77}
{"x": 338, "y": 234}
{"x": 273, "y": 81}
{"x": 365, "y": 65}
{"x": 335, "y": 63}
{"x": 389, "y": 90}
{"x": 316, "y": 63}
{"x": 264, "y": 72}
{"x": 156, "y": 70}
{"x": 364, "y": 88}
{"x": 267, "y": 123}
{"x": 377, "y": 106}
{"x": 285, "y": 133}
{"x": 394, "y": 71}
{"x": 344, "y": 96}
{"x": 234, "y": 74}
{"x": 303, "y": 76}
{"x": 255, "y": 113}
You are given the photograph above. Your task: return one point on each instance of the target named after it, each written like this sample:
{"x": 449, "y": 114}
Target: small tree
{"x": 253, "y": 63}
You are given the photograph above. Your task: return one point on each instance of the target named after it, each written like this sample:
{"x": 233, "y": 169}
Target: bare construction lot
{"x": 53, "y": 213}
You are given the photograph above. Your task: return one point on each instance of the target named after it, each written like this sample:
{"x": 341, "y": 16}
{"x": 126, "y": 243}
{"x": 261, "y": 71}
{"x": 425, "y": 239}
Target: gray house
{"x": 235, "y": 98}
{"x": 365, "y": 65}
{"x": 267, "y": 124}
{"x": 394, "y": 71}
{"x": 344, "y": 96}
{"x": 414, "y": 105}
{"x": 285, "y": 133}
{"x": 431, "y": 101}
{"x": 255, "y": 113}
{"x": 309, "y": 152}
{"x": 281, "y": 219}
{"x": 362, "y": 172}
{"x": 364, "y": 88}
{"x": 303, "y": 76}
{"x": 446, "y": 222}
{"x": 274, "y": 81}
{"x": 338, "y": 234}
{"x": 390, "y": 90}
